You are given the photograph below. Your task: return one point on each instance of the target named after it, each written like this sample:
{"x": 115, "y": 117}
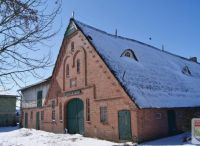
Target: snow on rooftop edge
{"x": 10, "y": 93}
{"x": 156, "y": 80}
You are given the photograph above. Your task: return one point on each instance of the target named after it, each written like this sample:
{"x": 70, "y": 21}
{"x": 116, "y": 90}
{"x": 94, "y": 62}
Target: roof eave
{"x": 36, "y": 84}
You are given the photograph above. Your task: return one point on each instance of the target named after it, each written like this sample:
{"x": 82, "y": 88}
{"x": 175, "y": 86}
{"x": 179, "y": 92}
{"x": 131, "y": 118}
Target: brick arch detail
{"x": 85, "y": 61}
{"x": 64, "y": 71}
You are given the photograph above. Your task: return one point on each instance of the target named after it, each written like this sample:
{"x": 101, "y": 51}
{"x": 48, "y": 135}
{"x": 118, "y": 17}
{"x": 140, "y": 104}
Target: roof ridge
{"x": 130, "y": 39}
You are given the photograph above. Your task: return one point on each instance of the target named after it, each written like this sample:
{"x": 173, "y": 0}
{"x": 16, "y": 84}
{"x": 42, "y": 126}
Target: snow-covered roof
{"x": 36, "y": 84}
{"x": 156, "y": 80}
{"x": 4, "y": 93}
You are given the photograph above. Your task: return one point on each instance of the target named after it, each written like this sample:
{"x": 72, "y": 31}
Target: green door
{"x": 26, "y": 120}
{"x": 38, "y": 120}
{"x": 124, "y": 124}
{"x": 75, "y": 116}
{"x": 171, "y": 122}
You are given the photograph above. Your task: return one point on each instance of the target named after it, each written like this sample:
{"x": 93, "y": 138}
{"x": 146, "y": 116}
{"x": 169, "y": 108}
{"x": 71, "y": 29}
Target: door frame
{"x": 130, "y": 125}
{"x": 26, "y": 120}
{"x": 170, "y": 131}
{"x": 37, "y": 124}
{"x": 66, "y": 116}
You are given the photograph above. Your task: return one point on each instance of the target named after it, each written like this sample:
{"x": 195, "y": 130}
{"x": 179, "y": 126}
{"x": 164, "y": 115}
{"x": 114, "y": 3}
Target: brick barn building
{"x": 115, "y": 88}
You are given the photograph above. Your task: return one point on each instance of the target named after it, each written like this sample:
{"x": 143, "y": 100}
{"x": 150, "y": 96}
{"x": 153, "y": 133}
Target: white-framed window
{"x": 103, "y": 115}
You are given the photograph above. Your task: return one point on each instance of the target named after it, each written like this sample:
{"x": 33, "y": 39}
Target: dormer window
{"x": 89, "y": 37}
{"x": 129, "y": 53}
{"x": 186, "y": 70}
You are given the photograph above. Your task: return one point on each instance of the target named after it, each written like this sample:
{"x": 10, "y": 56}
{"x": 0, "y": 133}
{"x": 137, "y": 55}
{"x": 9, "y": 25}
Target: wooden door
{"x": 75, "y": 116}
{"x": 171, "y": 122}
{"x": 124, "y": 125}
{"x": 38, "y": 120}
{"x": 26, "y": 120}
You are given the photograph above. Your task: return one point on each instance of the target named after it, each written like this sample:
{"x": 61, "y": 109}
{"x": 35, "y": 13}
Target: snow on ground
{"x": 173, "y": 140}
{"x": 11, "y": 136}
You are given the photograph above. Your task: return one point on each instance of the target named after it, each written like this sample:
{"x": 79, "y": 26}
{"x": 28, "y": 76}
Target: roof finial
{"x": 115, "y": 32}
{"x": 73, "y": 14}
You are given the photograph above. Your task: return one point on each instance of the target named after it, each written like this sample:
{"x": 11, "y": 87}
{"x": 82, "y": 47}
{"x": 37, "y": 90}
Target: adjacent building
{"x": 32, "y": 103}
{"x": 114, "y": 88}
{"x": 7, "y": 110}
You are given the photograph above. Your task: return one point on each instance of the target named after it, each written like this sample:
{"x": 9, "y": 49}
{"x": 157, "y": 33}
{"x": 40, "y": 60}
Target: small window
{"x": 53, "y": 115}
{"x": 39, "y": 98}
{"x": 67, "y": 69}
{"x": 103, "y": 115}
{"x": 60, "y": 110}
{"x": 186, "y": 70}
{"x": 78, "y": 66}
{"x": 158, "y": 116}
{"x": 88, "y": 109}
{"x": 129, "y": 53}
{"x": 53, "y": 104}
{"x": 72, "y": 46}
{"x": 72, "y": 82}
{"x": 31, "y": 114}
{"x": 42, "y": 115}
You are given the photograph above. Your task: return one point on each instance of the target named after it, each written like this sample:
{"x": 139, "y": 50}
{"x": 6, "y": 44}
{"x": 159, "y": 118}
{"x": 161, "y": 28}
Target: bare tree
{"x": 24, "y": 24}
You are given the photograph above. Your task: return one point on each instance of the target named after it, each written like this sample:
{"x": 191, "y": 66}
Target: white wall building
{"x": 35, "y": 94}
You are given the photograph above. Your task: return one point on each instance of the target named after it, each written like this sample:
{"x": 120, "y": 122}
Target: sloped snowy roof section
{"x": 156, "y": 79}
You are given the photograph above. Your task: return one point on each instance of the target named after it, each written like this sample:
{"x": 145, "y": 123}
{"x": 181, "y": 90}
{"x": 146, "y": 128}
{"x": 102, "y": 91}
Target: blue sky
{"x": 172, "y": 23}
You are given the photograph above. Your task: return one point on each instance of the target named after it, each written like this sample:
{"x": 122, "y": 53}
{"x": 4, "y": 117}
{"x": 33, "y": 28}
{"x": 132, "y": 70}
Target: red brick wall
{"x": 31, "y": 121}
{"x": 98, "y": 84}
{"x": 150, "y": 126}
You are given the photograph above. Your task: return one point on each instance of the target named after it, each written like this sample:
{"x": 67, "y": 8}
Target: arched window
{"x": 67, "y": 70}
{"x": 129, "y": 53}
{"x": 78, "y": 66}
{"x": 72, "y": 46}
